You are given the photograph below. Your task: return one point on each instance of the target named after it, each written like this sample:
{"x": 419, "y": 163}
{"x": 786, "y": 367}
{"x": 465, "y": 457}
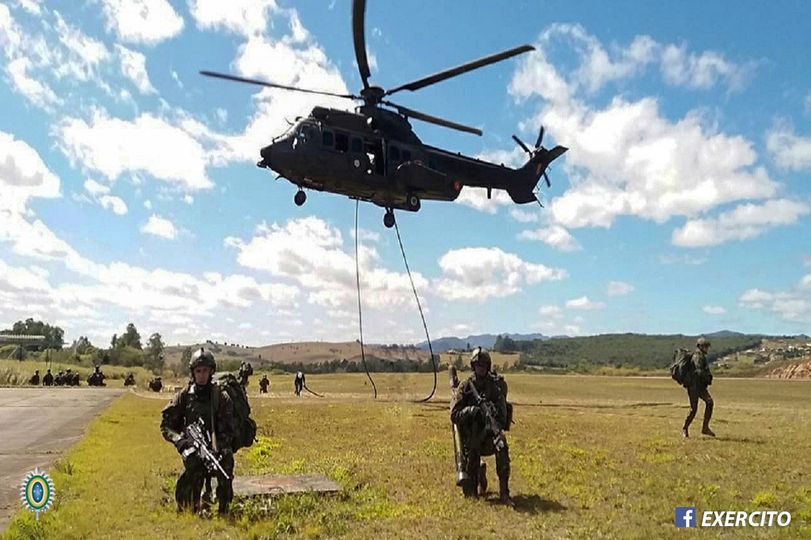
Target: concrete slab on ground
{"x": 278, "y": 484}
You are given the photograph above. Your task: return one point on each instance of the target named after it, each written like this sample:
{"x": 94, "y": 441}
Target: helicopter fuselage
{"x": 374, "y": 156}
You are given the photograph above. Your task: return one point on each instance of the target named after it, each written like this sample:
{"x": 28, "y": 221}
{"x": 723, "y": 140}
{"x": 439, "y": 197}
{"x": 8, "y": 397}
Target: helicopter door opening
{"x": 374, "y": 154}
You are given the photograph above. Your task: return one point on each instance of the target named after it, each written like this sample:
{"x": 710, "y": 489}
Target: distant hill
{"x": 626, "y": 350}
{"x": 445, "y": 344}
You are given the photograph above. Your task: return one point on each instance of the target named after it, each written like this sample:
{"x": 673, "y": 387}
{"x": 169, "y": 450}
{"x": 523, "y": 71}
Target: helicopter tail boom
{"x": 523, "y": 190}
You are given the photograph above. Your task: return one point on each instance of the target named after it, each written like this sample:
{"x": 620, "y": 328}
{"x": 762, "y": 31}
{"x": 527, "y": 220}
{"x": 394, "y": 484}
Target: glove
{"x": 183, "y": 444}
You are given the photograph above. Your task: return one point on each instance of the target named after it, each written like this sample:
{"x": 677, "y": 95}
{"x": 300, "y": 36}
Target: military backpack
{"x": 683, "y": 370}
{"x": 244, "y": 424}
{"x": 502, "y": 385}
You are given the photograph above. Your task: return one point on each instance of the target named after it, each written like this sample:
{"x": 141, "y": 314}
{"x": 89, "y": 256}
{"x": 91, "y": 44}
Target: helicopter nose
{"x": 266, "y": 153}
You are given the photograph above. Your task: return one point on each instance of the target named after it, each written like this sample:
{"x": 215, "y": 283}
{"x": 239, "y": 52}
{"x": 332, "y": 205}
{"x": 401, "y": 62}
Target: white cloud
{"x": 142, "y": 21}
{"x": 626, "y": 158}
{"x": 148, "y": 144}
{"x": 37, "y": 92}
{"x": 159, "y": 226}
{"x": 31, "y": 6}
{"x": 554, "y": 235}
{"x": 477, "y": 198}
{"x": 714, "y": 310}
{"x": 481, "y": 273}
{"x": 744, "y": 222}
{"x": 551, "y": 311}
{"x": 101, "y": 194}
{"x": 23, "y": 174}
{"x": 682, "y": 259}
{"x": 618, "y": 288}
{"x": 788, "y": 150}
{"x": 522, "y": 216}
{"x": 700, "y": 71}
{"x": 82, "y": 54}
{"x": 584, "y": 303}
{"x": 246, "y": 17}
{"x": 148, "y": 204}
{"x": 311, "y": 252}
{"x": 133, "y": 67}
{"x": 793, "y": 305}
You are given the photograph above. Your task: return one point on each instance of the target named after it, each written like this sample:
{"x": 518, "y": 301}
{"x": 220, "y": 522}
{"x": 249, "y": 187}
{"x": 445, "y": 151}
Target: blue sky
{"x": 129, "y": 191}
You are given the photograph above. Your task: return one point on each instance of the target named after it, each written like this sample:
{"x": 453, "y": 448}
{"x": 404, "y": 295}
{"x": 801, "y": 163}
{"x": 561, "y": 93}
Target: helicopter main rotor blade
{"x": 274, "y": 85}
{"x": 411, "y": 113}
{"x": 458, "y": 70}
{"x": 359, "y": 39}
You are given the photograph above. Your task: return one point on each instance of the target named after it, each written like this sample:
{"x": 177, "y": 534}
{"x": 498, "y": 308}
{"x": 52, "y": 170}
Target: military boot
{"x": 483, "y": 479}
{"x": 504, "y": 492}
{"x": 685, "y": 433}
{"x": 707, "y": 431}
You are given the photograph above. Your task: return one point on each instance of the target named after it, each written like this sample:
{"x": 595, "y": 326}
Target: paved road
{"x": 37, "y": 425}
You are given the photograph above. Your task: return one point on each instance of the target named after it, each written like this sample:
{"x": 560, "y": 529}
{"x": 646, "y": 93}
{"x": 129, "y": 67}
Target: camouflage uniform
{"x": 129, "y": 380}
{"x": 697, "y": 389}
{"x": 476, "y": 440}
{"x": 264, "y": 382}
{"x": 48, "y": 379}
{"x": 207, "y": 402}
{"x": 34, "y": 380}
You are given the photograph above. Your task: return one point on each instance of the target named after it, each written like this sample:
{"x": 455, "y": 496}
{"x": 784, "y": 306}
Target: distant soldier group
{"x": 67, "y": 378}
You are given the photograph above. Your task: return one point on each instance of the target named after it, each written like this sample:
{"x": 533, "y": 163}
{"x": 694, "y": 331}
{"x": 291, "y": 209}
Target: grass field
{"x": 591, "y": 457}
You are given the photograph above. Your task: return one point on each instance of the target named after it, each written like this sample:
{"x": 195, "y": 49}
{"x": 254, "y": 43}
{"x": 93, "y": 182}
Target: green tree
{"x": 54, "y": 336}
{"x": 130, "y": 338}
{"x": 153, "y": 357}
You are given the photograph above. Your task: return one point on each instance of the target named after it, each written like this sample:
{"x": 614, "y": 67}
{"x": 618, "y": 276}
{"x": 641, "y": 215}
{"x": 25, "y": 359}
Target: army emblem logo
{"x": 37, "y": 491}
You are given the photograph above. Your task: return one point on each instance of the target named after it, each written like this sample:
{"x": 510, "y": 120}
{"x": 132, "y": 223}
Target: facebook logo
{"x": 685, "y": 516}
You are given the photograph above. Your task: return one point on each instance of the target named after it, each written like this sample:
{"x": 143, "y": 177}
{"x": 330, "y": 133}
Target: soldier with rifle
{"x": 481, "y": 414}
{"x": 199, "y": 421}
{"x": 264, "y": 382}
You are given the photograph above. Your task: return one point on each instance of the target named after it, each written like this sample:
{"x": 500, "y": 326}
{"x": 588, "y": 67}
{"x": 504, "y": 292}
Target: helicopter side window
{"x": 357, "y": 145}
{"x": 305, "y": 133}
{"x": 327, "y": 139}
{"x": 341, "y": 141}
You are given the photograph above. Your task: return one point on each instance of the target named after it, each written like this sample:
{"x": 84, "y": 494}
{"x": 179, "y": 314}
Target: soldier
{"x": 48, "y": 379}
{"x": 477, "y": 440}
{"x": 156, "y": 384}
{"x": 96, "y": 378}
{"x": 299, "y": 383}
{"x": 201, "y": 399}
{"x": 34, "y": 380}
{"x": 129, "y": 380}
{"x": 245, "y": 371}
{"x": 264, "y": 382}
{"x": 73, "y": 379}
{"x": 702, "y": 378}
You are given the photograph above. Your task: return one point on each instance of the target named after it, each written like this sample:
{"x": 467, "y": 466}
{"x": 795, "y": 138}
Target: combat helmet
{"x": 702, "y": 341}
{"x": 202, "y": 357}
{"x": 480, "y": 355}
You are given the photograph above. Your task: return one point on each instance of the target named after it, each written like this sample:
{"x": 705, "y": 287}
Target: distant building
{"x": 28, "y": 342}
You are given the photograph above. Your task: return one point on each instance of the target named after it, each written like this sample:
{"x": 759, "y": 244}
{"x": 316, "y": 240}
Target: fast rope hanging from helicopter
{"x": 416, "y": 297}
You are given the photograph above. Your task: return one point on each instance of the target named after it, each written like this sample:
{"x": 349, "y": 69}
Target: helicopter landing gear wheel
{"x": 388, "y": 219}
{"x": 413, "y": 202}
{"x": 300, "y": 197}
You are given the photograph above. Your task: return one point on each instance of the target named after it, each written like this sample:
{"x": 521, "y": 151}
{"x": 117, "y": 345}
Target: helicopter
{"x": 373, "y": 154}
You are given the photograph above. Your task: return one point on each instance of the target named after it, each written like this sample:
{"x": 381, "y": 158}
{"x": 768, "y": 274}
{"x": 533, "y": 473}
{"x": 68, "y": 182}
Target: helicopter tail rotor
{"x": 534, "y": 169}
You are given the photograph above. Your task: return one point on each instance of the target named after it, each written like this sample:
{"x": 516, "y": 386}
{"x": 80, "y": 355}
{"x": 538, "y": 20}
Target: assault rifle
{"x": 201, "y": 445}
{"x": 491, "y": 424}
